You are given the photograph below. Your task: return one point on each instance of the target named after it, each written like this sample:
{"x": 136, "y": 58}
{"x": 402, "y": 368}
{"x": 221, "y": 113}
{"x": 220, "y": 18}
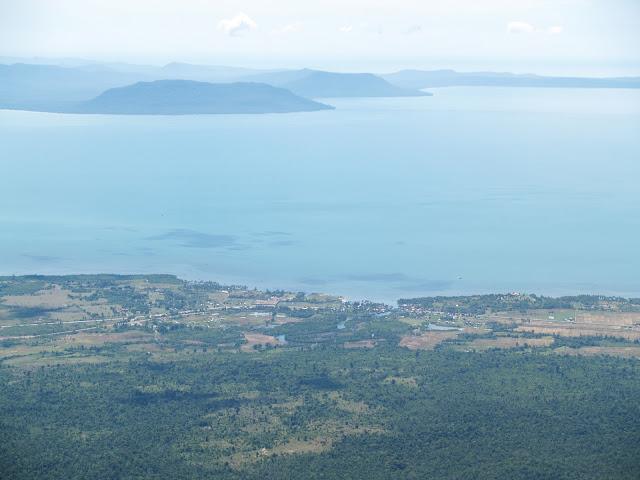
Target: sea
{"x": 472, "y": 190}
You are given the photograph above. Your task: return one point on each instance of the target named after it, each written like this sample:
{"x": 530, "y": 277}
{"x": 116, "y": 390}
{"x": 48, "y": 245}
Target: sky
{"x": 542, "y": 36}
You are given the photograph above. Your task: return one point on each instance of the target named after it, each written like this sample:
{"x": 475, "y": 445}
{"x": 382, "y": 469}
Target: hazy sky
{"x": 525, "y": 35}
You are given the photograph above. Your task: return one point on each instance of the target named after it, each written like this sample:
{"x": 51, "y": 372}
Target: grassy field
{"x": 48, "y": 319}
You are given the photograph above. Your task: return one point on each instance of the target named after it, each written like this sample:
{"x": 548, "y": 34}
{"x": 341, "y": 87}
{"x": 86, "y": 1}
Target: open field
{"x": 360, "y": 344}
{"x": 46, "y": 317}
{"x": 254, "y": 340}
{"x": 616, "y": 351}
{"x": 426, "y": 341}
{"x": 578, "y": 330}
{"x": 504, "y": 342}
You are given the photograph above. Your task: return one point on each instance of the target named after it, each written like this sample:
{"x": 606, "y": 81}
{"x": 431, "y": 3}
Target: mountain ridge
{"x": 322, "y": 84}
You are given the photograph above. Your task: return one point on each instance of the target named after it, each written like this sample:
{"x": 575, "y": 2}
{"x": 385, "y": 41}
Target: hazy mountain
{"x": 180, "y": 71}
{"x": 449, "y": 78}
{"x": 282, "y": 77}
{"x": 53, "y": 87}
{"x": 216, "y": 73}
{"x": 319, "y": 84}
{"x": 61, "y": 88}
{"x": 57, "y": 88}
{"x": 57, "y": 61}
{"x": 48, "y": 86}
{"x": 179, "y": 97}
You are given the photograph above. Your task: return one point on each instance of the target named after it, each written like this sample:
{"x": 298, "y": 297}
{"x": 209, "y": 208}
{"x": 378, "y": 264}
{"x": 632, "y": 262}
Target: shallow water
{"x": 472, "y": 190}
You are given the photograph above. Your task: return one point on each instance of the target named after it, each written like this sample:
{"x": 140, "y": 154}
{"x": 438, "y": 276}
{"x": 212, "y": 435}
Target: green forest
{"x": 380, "y": 413}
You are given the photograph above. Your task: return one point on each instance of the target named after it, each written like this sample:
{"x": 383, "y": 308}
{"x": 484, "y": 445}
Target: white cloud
{"x": 555, "y": 29}
{"x": 238, "y": 24}
{"x": 346, "y": 29}
{"x": 520, "y": 27}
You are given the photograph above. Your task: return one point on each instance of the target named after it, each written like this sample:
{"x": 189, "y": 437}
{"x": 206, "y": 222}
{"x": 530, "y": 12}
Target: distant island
{"x": 180, "y": 97}
{"x": 451, "y": 78}
{"x": 106, "y": 88}
{"x": 95, "y": 87}
{"x": 184, "y": 97}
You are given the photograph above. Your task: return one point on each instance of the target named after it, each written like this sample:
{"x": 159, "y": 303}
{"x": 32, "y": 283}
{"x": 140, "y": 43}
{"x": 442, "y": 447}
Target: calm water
{"x": 472, "y": 190}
